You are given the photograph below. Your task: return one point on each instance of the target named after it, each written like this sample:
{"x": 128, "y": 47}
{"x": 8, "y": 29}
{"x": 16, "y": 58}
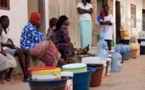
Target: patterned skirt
{"x": 46, "y": 52}
{"x": 67, "y": 51}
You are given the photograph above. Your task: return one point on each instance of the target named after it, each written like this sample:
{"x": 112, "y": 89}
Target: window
{"x": 5, "y": 4}
{"x": 133, "y": 16}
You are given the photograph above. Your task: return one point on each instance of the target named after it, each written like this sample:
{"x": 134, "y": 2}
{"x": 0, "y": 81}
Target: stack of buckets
{"x": 98, "y": 65}
{"x": 80, "y": 80}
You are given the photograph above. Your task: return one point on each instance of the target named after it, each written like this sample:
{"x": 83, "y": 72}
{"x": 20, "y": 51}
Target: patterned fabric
{"x": 46, "y": 52}
{"x": 30, "y": 37}
{"x": 61, "y": 40}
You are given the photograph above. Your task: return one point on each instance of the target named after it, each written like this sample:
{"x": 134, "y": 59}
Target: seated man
{"x": 22, "y": 54}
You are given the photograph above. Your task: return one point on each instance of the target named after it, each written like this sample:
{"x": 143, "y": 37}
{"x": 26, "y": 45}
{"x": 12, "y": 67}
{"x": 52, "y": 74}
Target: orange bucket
{"x": 133, "y": 53}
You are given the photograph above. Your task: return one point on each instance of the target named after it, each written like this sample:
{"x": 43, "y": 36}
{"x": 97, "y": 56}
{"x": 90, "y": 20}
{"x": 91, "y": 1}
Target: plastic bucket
{"x": 48, "y": 85}
{"x": 96, "y": 76}
{"x": 81, "y": 80}
{"x": 133, "y": 54}
{"x": 127, "y": 55}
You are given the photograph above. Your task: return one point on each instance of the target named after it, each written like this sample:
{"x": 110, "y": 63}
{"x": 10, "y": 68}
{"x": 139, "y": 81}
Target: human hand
{"x": 4, "y": 53}
{"x": 11, "y": 46}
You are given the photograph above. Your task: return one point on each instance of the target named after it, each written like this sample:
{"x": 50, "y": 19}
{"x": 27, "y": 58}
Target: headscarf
{"x": 52, "y": 22}
{"x": 35, "y": 17}
{"x": 60, "y": 22}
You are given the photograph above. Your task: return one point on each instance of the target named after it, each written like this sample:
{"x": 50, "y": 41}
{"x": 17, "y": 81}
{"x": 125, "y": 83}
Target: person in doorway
{"x": 85, "y": 10}
{"x": 106, "y": 29}
{"x": 40, "y": 48}
{"x": 52, "y": 26}
{"x": 6, "y": 62}
{"x": 61, "y": 39}
{"x": 22, "y": 54}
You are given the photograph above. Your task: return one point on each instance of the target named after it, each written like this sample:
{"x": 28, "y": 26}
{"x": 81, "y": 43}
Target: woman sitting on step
{"x": 33, "y": 40}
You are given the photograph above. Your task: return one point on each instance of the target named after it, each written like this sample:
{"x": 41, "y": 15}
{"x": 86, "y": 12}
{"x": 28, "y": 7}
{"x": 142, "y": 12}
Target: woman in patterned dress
{"x": 62, "y": 40}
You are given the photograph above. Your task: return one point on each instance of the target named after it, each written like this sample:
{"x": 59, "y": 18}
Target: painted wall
{"x": 32, "y": 6}
{"x": 18, "y": 15}
{"x": 143, "y": 4}
{"x": 126, "y": 15}
{"x": 68, "y": 8}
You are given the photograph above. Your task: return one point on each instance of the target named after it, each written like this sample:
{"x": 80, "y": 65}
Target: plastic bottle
{"x": 102, "y": 49}
{"x": 116, "y": 61}
{"x": 121, "y": 48}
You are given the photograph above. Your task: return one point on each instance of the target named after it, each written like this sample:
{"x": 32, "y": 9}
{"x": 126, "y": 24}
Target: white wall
{"x": 18, "y": 15}
{"x": 126, "y": 15}
{"x": 143, "y": 4}
{"x": 32, "y": 6}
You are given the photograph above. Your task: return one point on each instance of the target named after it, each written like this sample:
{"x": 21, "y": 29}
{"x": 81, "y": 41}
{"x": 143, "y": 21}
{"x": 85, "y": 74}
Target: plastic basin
{"x": 48, "y": 85}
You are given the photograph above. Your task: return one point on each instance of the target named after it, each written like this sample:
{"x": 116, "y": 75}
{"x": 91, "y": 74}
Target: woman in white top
{"x": 106, "y": 29}
{"x": 22, "y": 54}
{"x": 85, "y": 10}
{"x": 6, "y": 62}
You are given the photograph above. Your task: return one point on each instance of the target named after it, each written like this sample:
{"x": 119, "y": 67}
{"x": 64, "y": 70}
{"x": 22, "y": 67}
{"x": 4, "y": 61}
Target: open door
{"x": 118, "y": 22}
{"x": 143, "y": 19}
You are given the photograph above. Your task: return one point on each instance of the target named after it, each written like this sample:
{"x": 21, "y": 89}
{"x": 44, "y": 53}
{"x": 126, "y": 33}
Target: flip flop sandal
{"x": 2, "y": 82}
{"x": 9, "y": 80}
{"x": 26, "y": 80}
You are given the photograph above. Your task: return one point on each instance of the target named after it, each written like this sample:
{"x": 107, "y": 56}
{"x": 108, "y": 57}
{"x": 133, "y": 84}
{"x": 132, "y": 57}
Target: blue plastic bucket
{"x": 81, "y": 80}
{"x": 127, "y": 55}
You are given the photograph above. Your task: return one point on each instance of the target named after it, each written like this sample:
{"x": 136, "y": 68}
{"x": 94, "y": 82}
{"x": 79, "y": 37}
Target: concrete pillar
{"x": 42, "y": 12}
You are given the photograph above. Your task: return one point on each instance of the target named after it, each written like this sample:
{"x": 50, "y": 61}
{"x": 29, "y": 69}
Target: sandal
{"x": 2, "y": 82}
{"x": 83, "y": 51}
{"x": 9, "y": 80}
{"x": 26, "y": 80}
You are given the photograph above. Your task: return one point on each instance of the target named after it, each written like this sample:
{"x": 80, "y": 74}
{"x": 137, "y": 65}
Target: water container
{"x": 116, "y": 62}
{"x": 122, "y": 50}
{"x": 102, "y": 49}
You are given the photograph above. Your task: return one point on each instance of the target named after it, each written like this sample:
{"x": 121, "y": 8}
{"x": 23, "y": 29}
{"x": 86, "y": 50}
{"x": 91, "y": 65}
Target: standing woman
{"x": 85, "y": 9}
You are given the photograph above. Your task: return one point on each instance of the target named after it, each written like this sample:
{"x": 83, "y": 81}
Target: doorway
{"x": 118, "y": 22}
{"x": 143, "y": 19}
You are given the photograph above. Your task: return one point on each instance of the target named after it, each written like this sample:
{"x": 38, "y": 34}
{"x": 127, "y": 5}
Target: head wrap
{"x": 35, "y": 17}
{"x": 52, "y": 22}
